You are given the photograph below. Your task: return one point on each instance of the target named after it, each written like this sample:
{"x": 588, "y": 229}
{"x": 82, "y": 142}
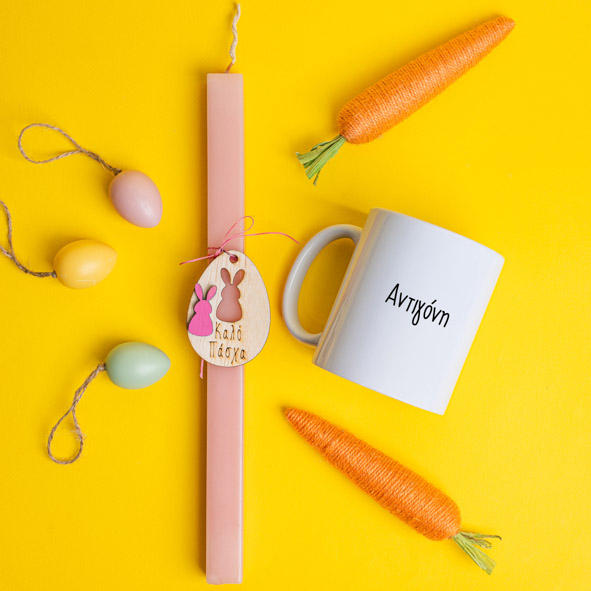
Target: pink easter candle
{"x": 225, "y": 385}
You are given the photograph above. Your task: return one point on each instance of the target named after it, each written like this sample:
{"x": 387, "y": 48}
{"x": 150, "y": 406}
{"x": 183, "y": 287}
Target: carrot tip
{"x": 509, "y": 22}
{"x": 314, "y": 160}
{"x": 294, "y": 416}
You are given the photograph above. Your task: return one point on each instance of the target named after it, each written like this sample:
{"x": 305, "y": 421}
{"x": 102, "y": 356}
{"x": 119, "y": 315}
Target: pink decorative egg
{"x": 136, "y": 198}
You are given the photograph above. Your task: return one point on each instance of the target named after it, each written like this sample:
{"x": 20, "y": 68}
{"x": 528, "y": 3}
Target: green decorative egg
{"x": 136, "y": 365}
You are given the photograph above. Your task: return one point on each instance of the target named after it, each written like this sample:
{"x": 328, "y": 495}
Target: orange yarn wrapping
{"x": 386, "y": 103}
{"x": 383, "y": 105}
{"x": 399, "y": 490}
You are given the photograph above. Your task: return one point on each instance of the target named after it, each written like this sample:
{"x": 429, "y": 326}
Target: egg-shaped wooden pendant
{"x": 229, "y": 314}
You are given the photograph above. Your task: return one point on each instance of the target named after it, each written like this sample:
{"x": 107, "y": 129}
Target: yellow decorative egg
{"x": 84, "y": 263}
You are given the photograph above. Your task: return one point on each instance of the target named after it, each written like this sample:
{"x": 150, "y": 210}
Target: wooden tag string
{"x": 228, "y": 237}
{"x": 79, "y": 435}
{"x": 10, "y": 251}
{"x": 234, "y": 40}
{"x": 79, "y": 149}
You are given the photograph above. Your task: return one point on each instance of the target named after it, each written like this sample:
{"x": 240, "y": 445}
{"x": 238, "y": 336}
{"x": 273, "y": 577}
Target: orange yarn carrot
{"x": 405, "y": 494}
{"x": 381, "y": 106}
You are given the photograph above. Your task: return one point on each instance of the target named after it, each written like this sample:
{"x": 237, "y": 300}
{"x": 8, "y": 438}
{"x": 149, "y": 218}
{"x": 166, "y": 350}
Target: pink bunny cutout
{"x": 201, "y": 324}
{"x": 229, "y": 309}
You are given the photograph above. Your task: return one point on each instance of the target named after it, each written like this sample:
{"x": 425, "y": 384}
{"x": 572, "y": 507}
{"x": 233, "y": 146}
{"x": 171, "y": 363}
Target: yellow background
{"x": 501, "y": 157}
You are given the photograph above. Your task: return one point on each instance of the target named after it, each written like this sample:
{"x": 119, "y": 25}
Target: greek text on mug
{"x": 428, "y": 311}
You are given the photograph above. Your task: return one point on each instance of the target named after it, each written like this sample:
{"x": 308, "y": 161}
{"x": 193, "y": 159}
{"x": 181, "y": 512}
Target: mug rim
{"x": 440, "y": 228}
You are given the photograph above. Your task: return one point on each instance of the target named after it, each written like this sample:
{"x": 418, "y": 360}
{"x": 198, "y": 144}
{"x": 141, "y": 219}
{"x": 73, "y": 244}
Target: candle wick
{"x": 235, "y": 39}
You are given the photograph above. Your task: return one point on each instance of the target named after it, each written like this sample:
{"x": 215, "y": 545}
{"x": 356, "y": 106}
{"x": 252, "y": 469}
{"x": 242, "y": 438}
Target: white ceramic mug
{"x": 407, "y": 311}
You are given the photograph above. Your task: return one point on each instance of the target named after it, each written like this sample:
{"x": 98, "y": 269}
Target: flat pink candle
{"x": 225, "y": 385}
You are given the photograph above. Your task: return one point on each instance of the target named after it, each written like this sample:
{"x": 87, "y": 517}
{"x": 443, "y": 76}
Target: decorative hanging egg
{"x": 136, "y": 365}
{"x": 130, "y": 365}
{"x": 134, "y": 194}
{"x": 136, "y": 198}
{"x": 84, "y": 263}
{"x": 229, "y": 314}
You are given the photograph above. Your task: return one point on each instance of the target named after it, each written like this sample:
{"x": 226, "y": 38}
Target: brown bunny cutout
{"x": 229, "y": 309}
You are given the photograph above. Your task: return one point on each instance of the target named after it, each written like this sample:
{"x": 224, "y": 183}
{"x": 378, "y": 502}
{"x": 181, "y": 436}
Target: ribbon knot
{"x": 228, "y": 237}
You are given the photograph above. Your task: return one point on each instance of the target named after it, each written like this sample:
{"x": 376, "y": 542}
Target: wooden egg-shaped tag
{"x": 229, "y": 314}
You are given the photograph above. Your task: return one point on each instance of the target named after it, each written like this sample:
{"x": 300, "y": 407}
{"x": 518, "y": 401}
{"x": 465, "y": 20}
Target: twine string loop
{"x": 9, "y": 252}
{"x": 78, "y": 432}
{"x": 79, "y": 149}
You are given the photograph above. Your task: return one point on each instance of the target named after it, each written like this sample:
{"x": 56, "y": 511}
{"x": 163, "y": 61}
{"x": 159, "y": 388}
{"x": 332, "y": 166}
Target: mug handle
{"x": 291, "y": 293}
